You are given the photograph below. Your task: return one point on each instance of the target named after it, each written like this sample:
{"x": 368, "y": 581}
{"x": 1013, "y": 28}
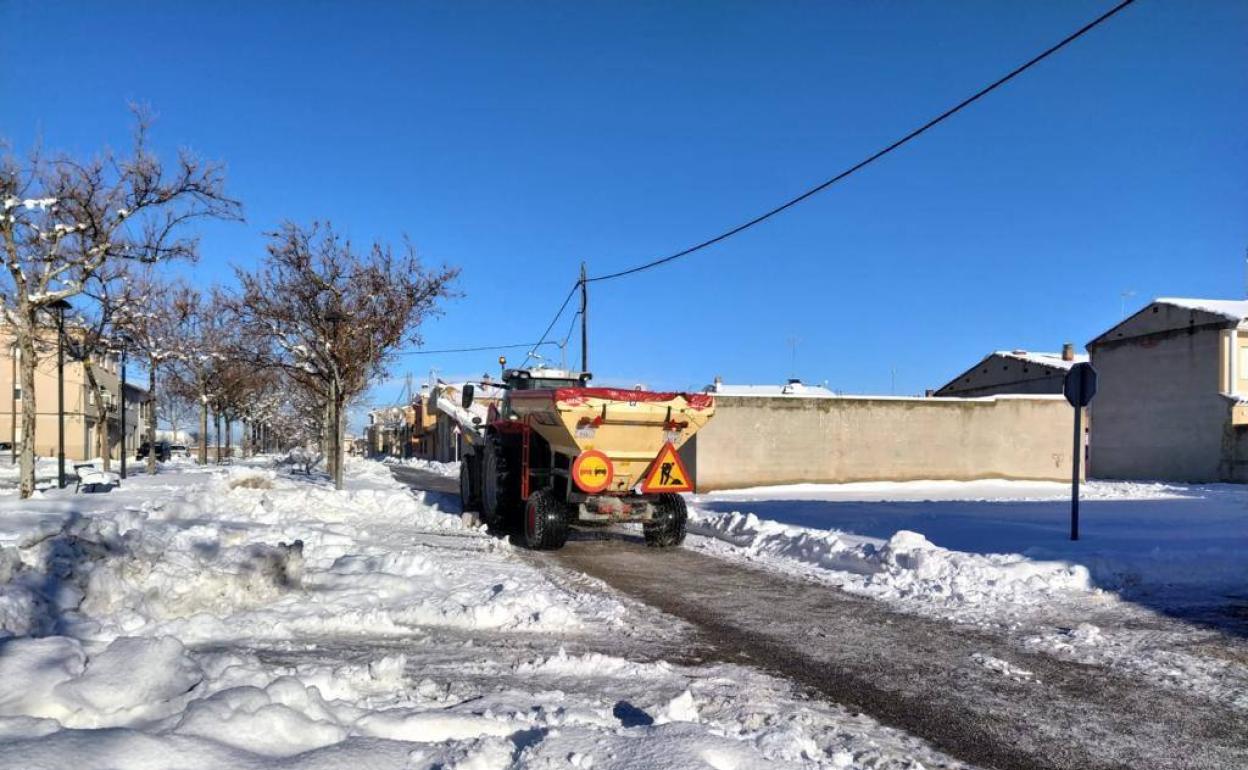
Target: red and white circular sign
{"x": 592, "y": 471}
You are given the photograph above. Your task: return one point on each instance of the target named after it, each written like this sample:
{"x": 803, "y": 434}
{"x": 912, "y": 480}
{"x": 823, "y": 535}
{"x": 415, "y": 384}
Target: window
{"x": 17, "y": 394}
{"x": 1241, "y": 371}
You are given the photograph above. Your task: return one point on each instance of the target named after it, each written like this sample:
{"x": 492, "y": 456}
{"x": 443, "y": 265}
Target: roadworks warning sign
{"x": 667, "y": 473}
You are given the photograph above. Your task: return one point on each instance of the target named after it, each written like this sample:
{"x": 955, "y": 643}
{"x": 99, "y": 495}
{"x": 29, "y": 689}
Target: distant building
{"x": 1013, "y": 371}
{"x": 444, "y": 439}
{"x": 81, "y": 413}
{"x": 1172, "y": 402}
{"x": 793, "y": 388}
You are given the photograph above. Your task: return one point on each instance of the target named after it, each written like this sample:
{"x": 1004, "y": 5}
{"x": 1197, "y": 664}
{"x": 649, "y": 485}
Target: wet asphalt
{"x": 916, "y": 674}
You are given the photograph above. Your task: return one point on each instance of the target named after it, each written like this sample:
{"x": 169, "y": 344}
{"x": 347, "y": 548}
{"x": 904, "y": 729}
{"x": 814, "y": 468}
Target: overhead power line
{"x": 555, "y": 320}
{"x": 878, "y": 154}
{"x": 475, "y": 349}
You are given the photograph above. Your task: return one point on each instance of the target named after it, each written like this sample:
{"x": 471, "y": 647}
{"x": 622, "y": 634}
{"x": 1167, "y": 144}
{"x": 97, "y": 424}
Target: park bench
{"x": 92, "y": 480}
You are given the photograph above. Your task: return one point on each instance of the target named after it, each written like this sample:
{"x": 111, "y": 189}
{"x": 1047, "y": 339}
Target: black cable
{"x": 555, "y": 320}
{"x": 571, "y": 328}
{"x": 471, "y": 350}
{"x": 880, "y": 153}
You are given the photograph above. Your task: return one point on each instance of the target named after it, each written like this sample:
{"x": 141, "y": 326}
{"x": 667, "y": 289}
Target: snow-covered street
{"x": 247, "y": 617}
{"x": 1153, "y": 590}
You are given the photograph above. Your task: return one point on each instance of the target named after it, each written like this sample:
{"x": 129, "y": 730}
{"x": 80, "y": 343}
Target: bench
{"x": 92, "y": 480}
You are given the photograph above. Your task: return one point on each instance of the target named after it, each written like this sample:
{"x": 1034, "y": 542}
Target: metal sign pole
{"x": 1074, "y": 482}
{"x": 1079, "y": 387}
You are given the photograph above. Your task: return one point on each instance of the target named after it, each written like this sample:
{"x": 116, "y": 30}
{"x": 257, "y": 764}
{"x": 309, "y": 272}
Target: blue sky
{"x": 515, "y": 140}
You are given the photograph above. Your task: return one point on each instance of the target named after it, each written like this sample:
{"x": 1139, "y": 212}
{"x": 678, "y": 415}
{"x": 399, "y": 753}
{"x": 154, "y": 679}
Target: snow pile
{"x": 906, "y": 567}
{"x": 448, "y": 469}
{"x": 245, "y": 618}
{"x": 1136, "y": 536}
{"x": 1004, "y": 668}
{"x": 1152, "y": 559}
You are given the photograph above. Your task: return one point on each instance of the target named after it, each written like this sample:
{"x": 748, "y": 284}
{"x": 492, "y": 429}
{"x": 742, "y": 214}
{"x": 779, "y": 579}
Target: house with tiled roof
{"x": 1013, "y": 371}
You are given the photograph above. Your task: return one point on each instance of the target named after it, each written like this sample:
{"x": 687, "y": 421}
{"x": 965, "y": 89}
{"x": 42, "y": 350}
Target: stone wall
{"x": 754, "y": 441}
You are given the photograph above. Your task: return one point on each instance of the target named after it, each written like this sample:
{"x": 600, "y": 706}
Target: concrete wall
{"x": 753, "y": 441}
{"x": 1158, "y": 411}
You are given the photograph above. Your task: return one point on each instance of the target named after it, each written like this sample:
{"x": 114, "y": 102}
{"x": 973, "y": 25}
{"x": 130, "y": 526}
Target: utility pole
{"x": 792, "y": 357}
{"x": 584, "y": 320}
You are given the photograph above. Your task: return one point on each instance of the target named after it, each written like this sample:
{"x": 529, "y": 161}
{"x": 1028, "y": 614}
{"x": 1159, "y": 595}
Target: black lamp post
{"x": 60, "y": 306}
{"x": 125, "y": 343}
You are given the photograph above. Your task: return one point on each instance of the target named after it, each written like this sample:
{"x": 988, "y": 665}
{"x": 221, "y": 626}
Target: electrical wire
{"x": 472, "y": 350}
{"x": 555, "y": 320}
{"x": 879, "y": 153}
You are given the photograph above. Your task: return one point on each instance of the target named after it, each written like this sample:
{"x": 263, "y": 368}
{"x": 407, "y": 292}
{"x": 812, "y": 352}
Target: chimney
{"x": 719, "y": 382}
{"x": 1068, "y": 352}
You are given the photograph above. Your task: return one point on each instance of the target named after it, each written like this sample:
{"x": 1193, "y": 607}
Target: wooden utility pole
{"x": 584, "y": 320}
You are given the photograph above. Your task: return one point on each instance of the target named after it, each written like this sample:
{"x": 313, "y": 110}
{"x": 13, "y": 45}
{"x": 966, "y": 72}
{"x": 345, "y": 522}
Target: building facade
{"x": 1013, "y": 371}
{"x": 81, "y": 414}
{"x": 1172, "y": 402}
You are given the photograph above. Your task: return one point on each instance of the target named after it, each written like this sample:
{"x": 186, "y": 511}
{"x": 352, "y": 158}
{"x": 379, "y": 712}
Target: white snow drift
{"x": 246, "y": 618}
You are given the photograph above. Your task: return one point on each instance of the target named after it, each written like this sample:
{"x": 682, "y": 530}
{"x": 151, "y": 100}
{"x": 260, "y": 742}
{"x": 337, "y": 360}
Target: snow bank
{"x": 905, "y": 567}
{"x": 447, "y": 469}
{"x": 245, "y": 618}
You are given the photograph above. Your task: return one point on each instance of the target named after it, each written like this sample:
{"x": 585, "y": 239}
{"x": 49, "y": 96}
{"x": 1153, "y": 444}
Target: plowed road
{"x": 906, "y": 671}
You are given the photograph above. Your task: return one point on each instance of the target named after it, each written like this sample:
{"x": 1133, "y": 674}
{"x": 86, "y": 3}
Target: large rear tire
{"x": 497, "y": 505}
{"x": 545, "y": 522}
{"x": 667, "y": 528}
{"x": 469, "y": 494}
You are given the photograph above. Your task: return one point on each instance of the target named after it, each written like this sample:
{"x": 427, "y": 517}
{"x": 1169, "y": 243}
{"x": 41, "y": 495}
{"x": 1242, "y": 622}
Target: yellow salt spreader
{"x": 554, "y": 452}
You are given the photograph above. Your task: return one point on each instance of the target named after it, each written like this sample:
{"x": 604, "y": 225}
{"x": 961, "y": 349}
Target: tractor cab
{"x": 544, "y": 378}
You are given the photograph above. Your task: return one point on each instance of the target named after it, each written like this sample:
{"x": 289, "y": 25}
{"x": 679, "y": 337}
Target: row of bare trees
{"x": 281, "y": 354}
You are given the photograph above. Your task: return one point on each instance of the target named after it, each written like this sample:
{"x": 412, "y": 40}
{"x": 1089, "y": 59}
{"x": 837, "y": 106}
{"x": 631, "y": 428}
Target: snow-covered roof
{"x": 1054, "y": 360}
{"x": 791, "y": 389}
{"x": 1231, "y": 309}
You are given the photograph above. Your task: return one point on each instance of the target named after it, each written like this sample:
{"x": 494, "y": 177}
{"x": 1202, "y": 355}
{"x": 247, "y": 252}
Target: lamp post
{"x": 334, "y": 317}
{"x": 124, "y": 345}
{"x": 60, "y": 306}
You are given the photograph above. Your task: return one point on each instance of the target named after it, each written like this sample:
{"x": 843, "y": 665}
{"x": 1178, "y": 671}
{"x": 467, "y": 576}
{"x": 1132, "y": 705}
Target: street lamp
{"x": 334, "y": 317}
{"x": 60, "y": 306}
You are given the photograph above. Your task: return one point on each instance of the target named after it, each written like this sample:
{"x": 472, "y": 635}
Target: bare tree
{"x": 200, "y": 332}
{"x": 172, "y": 405}
{"x": 332, "y": 315}
{"x": 63, "y": 220}
{"x": 93, "y": 340}
{"x": 152, "y": 323}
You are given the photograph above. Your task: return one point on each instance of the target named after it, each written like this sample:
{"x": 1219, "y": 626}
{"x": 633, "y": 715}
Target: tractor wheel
{"x": 469, "y": 494}
{"x": 496, "y": 505}
{"x": 667, "y": 528}
{"x": 545, "y": 521}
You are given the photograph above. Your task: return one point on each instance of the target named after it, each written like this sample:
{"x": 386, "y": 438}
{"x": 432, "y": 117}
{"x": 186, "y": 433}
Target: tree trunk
{"x": 340, "y": 428}
{"x": 26, "y": 342}
{"x": 203, "y": 430}
{"x": 229, "y": 437}
{"x": 216, "y": 432}
{"x": 327, "y": 440}
{"x": 151, "y": 417}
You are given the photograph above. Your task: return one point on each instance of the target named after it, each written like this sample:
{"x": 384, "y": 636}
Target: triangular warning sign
{"x": 667, "y": 473}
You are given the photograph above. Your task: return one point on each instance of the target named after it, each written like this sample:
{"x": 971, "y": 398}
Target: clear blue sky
{"x": 515, "y": 140}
